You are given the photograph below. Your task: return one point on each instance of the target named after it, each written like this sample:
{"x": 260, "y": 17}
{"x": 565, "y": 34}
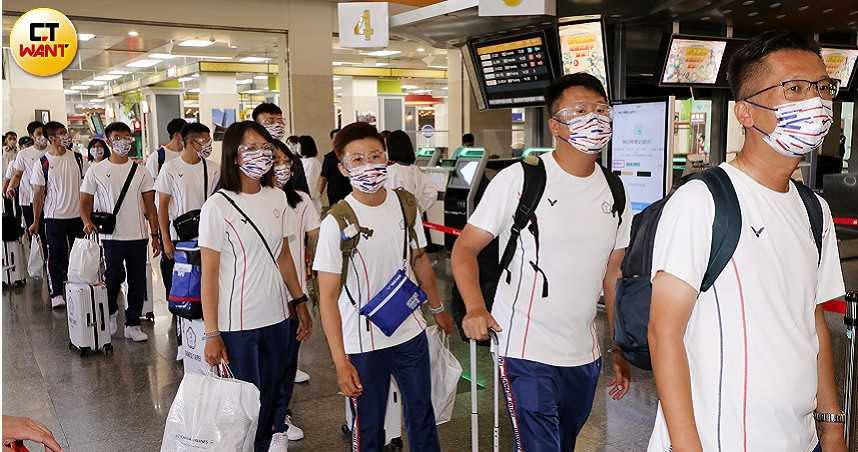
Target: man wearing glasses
{"x": 747, "y": 365}
{"x": 544, "y": 311}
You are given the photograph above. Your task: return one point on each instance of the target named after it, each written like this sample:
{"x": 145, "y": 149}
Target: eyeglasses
{"x": 582, "y": 108}
{"x": 267, "y": 147}
{"x": 201, "y": 141}
{"x": 359, "y": 159}
{"x": 795, "y": 90}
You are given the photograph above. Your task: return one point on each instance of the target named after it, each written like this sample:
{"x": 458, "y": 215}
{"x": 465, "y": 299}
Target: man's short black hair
{"x": 193, "y": 127}
{"x": 175, "y": 126}
{"x": 468, "y": 138}
{"x": 749, "y": 61}
{"x": 32, "y": 126}
{"x": 333, "y": 132}
{"x": 353, "y": 132}
{"x": 52, "y": 127}
{"x": 25, "y": 141}
{"x": 266, "y": 107}
{"x": 117, "y": 126}
{"x": 558, "y": 87}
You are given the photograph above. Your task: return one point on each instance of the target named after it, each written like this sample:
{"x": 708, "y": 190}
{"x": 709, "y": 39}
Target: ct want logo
{"x": 43, "y": 42}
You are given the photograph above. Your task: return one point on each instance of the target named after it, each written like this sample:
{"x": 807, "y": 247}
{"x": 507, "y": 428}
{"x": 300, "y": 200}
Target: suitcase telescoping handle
{"x": 475, "y": 436}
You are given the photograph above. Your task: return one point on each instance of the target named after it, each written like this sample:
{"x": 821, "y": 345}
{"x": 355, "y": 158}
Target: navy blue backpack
{"x": 634, "y": 289}
{"x": 184, "y": 298}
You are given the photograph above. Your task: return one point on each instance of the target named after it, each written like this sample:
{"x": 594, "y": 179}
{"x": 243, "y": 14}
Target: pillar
{"x": 217, "y": 91}
{"x": 164, "y": 106}
{"x": 360, "y": 95}
{"x": 27, "y": 93}
{"x": 310, "y": 100}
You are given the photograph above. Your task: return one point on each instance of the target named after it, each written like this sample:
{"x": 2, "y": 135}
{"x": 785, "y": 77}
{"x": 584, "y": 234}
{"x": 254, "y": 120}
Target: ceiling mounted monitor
{"x": 513, "y": 70}
{"x": 840, "y": 63}
{"x": 698, "y": 61}
{"x": 582, "y": 49}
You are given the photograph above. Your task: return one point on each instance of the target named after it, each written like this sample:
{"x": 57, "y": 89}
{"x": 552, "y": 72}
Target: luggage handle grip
{"x": 101, "y": 311}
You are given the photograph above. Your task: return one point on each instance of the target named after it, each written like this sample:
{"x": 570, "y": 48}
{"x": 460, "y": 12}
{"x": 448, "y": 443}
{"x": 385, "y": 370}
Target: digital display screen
{"x": 515, "y": 71}
{"x": 639, "y": 150}
{"x": 693, "y": 61}
{"x": 582, "y": 49}
{"x": 463, "y": 174}
{"x": 840, "y": 64}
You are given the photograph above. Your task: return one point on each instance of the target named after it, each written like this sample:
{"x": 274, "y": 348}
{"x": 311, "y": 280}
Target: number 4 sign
{"x": 363, "y": 25}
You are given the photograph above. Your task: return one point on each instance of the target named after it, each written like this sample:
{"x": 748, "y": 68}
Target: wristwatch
{"x": 831, "y": 418}
{"x": 299, "y": 300}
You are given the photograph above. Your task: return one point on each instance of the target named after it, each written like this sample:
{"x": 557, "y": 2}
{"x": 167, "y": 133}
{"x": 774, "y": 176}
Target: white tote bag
{"x": 85, "y": 261}
{"x": 212, "y": 413}
{"x": 36, "y": 262}
{"x": 446, "y": 371}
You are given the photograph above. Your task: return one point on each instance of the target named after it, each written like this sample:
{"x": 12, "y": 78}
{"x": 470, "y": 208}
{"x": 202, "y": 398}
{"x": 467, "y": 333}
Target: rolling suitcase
{"x": 14, "y": 266}
{"x": 88, "y": 315}
{"x": 392, "y": 418}
{"x": 475, "y": 436}
{"x": 148, "y": 312}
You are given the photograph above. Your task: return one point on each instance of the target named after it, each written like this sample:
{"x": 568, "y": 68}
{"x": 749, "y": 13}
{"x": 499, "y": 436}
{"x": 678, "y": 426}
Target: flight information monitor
{"x": 582, "y": 49}
{"x": 513, "y": 71}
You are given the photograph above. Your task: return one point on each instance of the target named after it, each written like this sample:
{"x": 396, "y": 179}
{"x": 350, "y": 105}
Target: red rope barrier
{"x": 846, "y": 221}
{"x": 442, "y": 228}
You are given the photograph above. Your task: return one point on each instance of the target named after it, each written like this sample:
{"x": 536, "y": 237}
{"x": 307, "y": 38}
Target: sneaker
{"x": 294, "y": 433}
{"x": 180, "y": 354}
{"x": 279, "y": 443}
{"x": 113, "y": 326}
{"x": 57, "y": 302}
{"x": 135, "y": 333}
{"x": 301, "y": 376}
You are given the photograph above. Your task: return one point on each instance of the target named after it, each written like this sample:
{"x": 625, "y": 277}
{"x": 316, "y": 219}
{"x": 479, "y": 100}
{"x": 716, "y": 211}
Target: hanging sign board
{"x": 517, "y": 7}
{"x": 363, "y": 25}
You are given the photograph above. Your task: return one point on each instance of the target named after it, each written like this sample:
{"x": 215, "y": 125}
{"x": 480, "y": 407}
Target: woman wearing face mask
{"x": 312, "y": 167}
{"x": 403, "y": 173}
{"x": 304, "y": 219}
{"x": 97, "y": 150}
{"x": 365, "y": 357}
{"x": 246, "y": 270}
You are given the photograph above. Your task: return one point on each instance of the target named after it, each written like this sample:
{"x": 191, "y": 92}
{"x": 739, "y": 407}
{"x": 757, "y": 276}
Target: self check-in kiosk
{"x": 428, "y": 157}
{"x": 460, "y": 197}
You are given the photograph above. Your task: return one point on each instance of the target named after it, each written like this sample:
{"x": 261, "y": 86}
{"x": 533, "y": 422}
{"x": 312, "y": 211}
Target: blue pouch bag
{"x": 184, "y": 299}
{"x": 394, "y": 303}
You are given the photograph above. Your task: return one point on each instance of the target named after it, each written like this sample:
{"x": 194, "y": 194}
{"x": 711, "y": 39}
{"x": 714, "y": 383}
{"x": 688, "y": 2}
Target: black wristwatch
{"x": 299, "y": 300}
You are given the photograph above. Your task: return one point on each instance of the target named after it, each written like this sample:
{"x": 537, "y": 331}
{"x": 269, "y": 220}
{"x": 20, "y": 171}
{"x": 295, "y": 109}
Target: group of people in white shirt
{"x": 258, "y": 230}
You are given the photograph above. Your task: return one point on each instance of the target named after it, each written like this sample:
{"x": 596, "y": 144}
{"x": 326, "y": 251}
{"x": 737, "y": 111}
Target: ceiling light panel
{"x": 142, "y": 63}
{"x": 383, "y": 53}
{"x": 94, "y": 83}
{"x": 196, "y": 43}
{"x": 161, "y": 56}
{"x": 107, "y": 78}
{"x": 85, "y": 36}
{"x": 254, "y": 59}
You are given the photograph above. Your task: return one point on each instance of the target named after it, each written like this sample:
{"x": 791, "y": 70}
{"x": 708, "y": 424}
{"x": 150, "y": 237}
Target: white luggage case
{"x": 148, "y": 312}
{"x": 14, "y": 265}
{"x": 475, "y": 435}
{"x": 392, "y": 418}
{"x": 88, "y": 316}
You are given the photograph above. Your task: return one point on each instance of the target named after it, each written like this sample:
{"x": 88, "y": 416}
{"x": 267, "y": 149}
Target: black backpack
{"x": 492, "y": 263}
{"x": 634, "y": 289}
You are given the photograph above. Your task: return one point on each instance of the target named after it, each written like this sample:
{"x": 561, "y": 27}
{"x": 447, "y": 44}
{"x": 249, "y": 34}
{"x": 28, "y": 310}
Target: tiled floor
{"x": 120, "y": 402}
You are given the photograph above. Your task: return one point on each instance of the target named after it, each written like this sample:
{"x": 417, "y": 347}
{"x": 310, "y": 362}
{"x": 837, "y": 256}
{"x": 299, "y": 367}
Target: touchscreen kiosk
{"x": 428, "y": 157}
{"x": 640, "y": 149}
{"x": 459, "y": 199}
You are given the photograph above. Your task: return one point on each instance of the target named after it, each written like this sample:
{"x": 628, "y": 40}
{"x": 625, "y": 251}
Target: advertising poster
{"x": 840, "y": 63}
{"x": 638, "y": 150}
{"x": 582, "y": 50}
{"x": 693, "y": 61}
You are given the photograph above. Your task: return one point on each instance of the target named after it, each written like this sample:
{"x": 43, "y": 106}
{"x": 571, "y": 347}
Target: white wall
{"x": 26, "y": 94}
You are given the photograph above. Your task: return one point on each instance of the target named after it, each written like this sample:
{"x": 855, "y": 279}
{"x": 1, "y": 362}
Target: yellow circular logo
{"x": 512, "y": 2}
{"x": 43, "y": 41}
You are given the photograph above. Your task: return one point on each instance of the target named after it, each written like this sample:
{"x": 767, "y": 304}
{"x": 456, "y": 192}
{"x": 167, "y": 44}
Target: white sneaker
{"x": 180, "y": 354}
{"x": 57, "y": 302}
{"x": 279, "y": 443}
{"x": 294, "y": 433}
{"x": 301, "y": 376}
{"x": 135, "y": 333}
{"x": 113, "y": 326}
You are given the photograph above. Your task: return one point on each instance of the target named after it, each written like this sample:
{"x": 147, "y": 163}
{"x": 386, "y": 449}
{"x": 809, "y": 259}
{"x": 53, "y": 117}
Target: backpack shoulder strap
{"x": 531, "y": 193}
{"x": 252, "y": 224}
{"x": 45, "y": 166}
{"x": 125, "y": 186}
{"x": 79, "y": 160}
{"x": 408, "y": 203}
{"x": 350, "y": 232}
{"x": 162, "y": 155}
{"x": 814, "y": 214}
{"x": 726, "y": 227}
{"x": 618, "y": 193}
{"x": 205, "y": 180}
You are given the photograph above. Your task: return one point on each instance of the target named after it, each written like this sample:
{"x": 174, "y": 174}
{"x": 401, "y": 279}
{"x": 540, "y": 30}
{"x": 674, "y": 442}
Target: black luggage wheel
{"x": 84, "y": 351}
{"x": 346, "y": 430}
{"x": 395, "y": 444}
{"x": 150, "y": 316}
{"x": 108, "y": 349}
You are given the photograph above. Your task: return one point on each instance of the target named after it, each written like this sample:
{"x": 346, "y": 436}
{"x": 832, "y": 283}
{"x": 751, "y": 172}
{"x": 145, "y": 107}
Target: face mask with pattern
{"x": 368, "y": 178}
{"x": 801, "y": 126}
{"x": 255, "y": 162}
{"x": 121, "y": 146}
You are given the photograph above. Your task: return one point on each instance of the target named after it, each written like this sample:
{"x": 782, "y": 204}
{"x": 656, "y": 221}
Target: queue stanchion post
{"x": 851, "y": 366}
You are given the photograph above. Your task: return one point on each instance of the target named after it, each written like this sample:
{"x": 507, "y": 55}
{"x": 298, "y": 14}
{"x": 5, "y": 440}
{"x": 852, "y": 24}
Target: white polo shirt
{"x": 184, "y": 183}
{"x": 304, "y": 217}
{"x": 104, "y": 182}
{"x": 152, "y": 161}
{"x": 377, "y": 259}
{"x": 412, "y": 179}
{"x": 751, "y": 340}
{"x": 252, "y": 293}
{"x": 62, "y": 199}
{"x": 577, "y": 234}
{"x": 24, "y": 162}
